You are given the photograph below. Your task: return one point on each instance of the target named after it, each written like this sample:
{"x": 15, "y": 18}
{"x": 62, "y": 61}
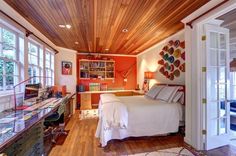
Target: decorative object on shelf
{"x": 66, "y": 68}
{"x": 172, "y": 61}
{"x": 147, "y": 76}
{"x": 137, "y": 87}
{"x": 233, "y": 65}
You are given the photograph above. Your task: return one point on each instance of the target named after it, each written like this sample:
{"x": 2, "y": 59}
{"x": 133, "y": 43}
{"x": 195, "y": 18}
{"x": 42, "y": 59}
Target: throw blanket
{"x": 114, "y": 112}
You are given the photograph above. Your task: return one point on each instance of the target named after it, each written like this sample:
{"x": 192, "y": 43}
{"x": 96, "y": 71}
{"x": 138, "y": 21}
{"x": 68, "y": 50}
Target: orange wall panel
{"x": 122, "y": 64}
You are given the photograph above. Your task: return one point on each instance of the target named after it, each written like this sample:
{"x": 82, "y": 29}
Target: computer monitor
{"x": 31, "y": 91}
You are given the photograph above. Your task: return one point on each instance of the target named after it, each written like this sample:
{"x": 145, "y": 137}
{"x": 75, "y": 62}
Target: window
{"x": 35, "y": 61}
{"x": 49, "y": 68}
{"x": 9, "y": 59}
{"x": 17, "y": 63}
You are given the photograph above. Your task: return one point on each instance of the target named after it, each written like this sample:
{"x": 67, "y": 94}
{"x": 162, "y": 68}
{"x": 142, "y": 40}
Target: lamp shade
{"x": 233, "y": 65}
{"x": 149, "y": 75}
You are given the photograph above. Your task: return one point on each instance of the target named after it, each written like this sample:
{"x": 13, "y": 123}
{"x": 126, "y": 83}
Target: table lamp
{"x": 147, "y": 76}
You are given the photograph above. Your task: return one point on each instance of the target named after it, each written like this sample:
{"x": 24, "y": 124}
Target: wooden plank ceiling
{"x": 97, "y": 24}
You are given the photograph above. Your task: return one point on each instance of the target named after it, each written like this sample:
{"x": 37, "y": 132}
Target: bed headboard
{"x": 182, "y": 87}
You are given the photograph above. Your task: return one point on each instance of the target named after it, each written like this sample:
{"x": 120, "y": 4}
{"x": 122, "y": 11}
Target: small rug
{"x": 88, "y": 114}
{"x": 178, "y": 151}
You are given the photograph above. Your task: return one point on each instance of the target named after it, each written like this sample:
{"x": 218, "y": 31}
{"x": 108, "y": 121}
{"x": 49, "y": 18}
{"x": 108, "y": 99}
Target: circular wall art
{"x": 172, "y": 61}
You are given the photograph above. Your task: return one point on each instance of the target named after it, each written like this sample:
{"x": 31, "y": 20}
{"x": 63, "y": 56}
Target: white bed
{"x": 146, "y": 117}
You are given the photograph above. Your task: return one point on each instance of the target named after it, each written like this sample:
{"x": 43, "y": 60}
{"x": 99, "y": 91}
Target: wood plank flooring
{"x": 80, "y": 141}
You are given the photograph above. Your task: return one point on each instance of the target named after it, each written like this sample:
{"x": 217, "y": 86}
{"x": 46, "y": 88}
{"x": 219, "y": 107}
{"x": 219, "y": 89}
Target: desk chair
{"x": 55, "y": 123}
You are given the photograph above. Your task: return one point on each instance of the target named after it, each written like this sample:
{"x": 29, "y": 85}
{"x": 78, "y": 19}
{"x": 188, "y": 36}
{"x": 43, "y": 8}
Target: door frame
{"x": 195, "y": 119}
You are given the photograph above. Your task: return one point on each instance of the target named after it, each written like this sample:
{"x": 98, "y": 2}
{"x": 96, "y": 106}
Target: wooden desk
{"x": 23, "y": 135}
{"x": 89, "y": 98}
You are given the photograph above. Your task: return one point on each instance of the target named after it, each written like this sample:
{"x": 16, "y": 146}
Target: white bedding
{"x": 146, "y": 117}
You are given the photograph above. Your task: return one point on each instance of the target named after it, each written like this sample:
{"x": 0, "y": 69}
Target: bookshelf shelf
{"x": 97, "y": 69}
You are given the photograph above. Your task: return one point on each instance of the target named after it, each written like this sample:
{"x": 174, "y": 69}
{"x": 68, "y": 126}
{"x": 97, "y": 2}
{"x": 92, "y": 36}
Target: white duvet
{"x": 146, "y": 117}
{"x": 115, "y": 113}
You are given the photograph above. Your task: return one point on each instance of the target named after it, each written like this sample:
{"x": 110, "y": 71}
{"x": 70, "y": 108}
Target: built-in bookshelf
{"x": 97, "y": 69}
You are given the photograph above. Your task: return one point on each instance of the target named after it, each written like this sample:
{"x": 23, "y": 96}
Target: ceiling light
{"x": 62, "y": 26}
{"x": 76, "y": 42}
{"x": 106, "y": 49}
{"x": 125, "y": 30}
{"x": 68, "y": 26}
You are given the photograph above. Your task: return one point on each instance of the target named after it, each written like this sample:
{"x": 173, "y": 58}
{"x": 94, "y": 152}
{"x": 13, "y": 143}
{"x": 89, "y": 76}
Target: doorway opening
{"x": 229, "y": 22}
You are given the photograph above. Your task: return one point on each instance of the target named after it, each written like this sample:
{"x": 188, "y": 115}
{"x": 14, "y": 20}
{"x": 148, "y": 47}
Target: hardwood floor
{"x": 80, "y": 141}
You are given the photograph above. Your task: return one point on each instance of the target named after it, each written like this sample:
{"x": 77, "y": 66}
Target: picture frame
{"x": 66, "y": 68}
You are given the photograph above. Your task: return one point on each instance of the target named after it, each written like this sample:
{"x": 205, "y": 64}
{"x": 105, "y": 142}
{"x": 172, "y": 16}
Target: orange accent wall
{"x": 122, "y": 63}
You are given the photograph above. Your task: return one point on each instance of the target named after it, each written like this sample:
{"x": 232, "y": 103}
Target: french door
{"x": 217, "y": 87}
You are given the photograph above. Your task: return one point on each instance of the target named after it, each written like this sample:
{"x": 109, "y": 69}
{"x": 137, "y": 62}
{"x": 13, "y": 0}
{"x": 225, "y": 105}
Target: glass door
{"x": 217, "y": 87}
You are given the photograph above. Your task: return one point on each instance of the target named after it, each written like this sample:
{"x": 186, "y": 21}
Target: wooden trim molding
{"x": 218, "y": 5}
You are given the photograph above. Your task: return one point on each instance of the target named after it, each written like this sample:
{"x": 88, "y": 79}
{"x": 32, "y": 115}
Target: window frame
{"x": 15, "y": 60}
{"x": 51, "y": 69}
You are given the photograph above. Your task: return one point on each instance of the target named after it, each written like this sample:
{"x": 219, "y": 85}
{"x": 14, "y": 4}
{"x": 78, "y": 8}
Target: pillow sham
{"x": 154, "y": 91}
{"x": 177, "y": 96}
{"x": 167, "y": 93}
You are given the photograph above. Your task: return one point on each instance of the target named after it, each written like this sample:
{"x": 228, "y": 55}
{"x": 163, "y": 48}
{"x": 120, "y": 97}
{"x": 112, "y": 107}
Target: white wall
{"x": 68, "y": 80}
{"x": 147, "y": 61}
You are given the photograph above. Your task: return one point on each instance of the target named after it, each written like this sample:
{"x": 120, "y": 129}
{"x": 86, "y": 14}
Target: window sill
{"x": 8, "y": 93}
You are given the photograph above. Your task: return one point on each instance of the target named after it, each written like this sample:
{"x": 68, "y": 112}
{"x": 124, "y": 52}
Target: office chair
{"x": 55, "y": 124}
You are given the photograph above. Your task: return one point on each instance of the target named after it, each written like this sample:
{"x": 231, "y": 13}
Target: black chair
{"x": 55, "y": 125}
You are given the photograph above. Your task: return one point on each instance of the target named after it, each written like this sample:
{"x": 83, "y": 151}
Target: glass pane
{"x": 9, "y": 82}
{"x": 1, "y": 83}
{"x": 213, "y": 40}
{"x": 30, "y": 71}
{"x": 213, "y": 57}
{"x": 47, "y": 56}
{"x": 47, "y": 64}
{"x": 1, "y": 67}
{"x": 222, "y": 109}
{"x": 213, "y": 127}
{"x": 41, "y": 58}
{"x": 222, "y": 58}
{"x": 222, "y": 92}
{"x": 8, "y": 51}
{"x": 222, "y": 41}
{"x": 213, "y": 92}
{"x": 33, "y": 49}
{"x": 10, "y": 68}
{"x": 222, "y": 73}
{"x": 8, "y": 38}
{"x": 212, "y": 75}
{"x": 21, "y": 46}
{"x": 52, "y": 60}
{"x": 33, "y": 59}
{"x": 35, "y": 73}
{"x": 233, "y": 92}
{"x": 222, "y": 122}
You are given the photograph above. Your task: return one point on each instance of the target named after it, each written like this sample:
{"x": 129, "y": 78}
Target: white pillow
{"x": 177, "y": 96}
{"x": 167, "y": 93}
{"x": 153, "y": 92}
